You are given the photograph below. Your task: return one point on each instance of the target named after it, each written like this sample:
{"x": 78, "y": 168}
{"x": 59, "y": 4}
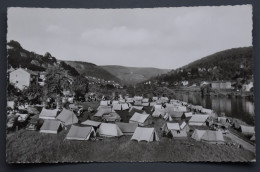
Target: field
{"x": 32, "y": 146}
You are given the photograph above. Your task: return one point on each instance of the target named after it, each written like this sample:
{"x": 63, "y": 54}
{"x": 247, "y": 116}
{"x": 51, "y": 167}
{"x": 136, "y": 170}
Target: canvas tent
{"x": 50, "y": 126}
{"x": 136, "y": 107}
{"x": 185, "y": 127}
{"x": 125, "y": 106}
{"x": 91, "y": 123}
{"x": 138, "y": 102}
{"x": 174, "y": 113}
{"x": 152, "y": 103}
{"x": 115, "y": 102}
{"x": 155, "y": 98}
{"x": 145, "y": 104}
{"x": 145, "y": 100}
{"x": 129, "y": 100}
{"x": 187, "y": 115}
{"x": 158, "y": 113}
{"x": 80, "y": 133}
{"x": 48, "y": 113}
{"x": 103, "y": 110}
{"x": 167, "y": 117}
{"x": 164, "y": 99}
{"x": 104, "y": 103}
{"x": 67, "y": 117}
{"x": 206, "y": 111}
{"x": 127, "y": 128}
{"x": 170, "y": 126}
{"x": 122, "y": 100}
{"x": 117, "y": 107}
{"x": 141, "y": 119}
{"x": 197, "y": 134}
{"x": 133, "y": 110}
{"x": 247, "y": 130}
{"x": 138, "y": 98}
{"x": 214, "y": 137}
{"x": 178, "y": 134}
{"x": 109, "y": 130}
{"x": 157, "y": 107}
{"x": 198, "y": 120}
{"x": 10, "y": 104}
{"x": 145, "y": 134}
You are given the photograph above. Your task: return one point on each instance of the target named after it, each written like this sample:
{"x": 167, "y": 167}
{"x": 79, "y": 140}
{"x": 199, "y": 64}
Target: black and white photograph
{"x": 171, "y": 84}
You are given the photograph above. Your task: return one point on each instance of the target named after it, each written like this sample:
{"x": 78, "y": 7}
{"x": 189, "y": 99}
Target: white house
{"x": 22, "y": 78}
{"x": 247, "y": 87}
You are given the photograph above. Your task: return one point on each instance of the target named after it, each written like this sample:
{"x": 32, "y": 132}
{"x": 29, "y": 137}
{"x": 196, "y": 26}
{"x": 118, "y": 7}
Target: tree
{"x": 56, "y": 81}
{"x": 80, "y": 86}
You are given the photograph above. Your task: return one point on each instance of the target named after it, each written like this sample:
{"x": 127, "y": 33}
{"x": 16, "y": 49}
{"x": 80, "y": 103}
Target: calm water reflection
{"x": 240, "y": 108}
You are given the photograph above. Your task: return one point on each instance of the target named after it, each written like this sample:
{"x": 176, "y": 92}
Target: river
{"x": 236, "y": 107}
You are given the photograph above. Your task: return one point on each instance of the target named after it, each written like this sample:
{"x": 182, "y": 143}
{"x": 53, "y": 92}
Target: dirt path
{"x": 240, "y": 141}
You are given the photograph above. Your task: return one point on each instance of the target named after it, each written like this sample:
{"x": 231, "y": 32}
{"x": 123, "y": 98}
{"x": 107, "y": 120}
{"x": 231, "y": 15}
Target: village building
{"x": 221, "y": 85}
{"x": 22, "y": 78}
{"x": 247, "y": 87}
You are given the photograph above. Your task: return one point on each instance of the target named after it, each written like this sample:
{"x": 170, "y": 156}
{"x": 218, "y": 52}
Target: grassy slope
{"x": 30, "y": 146}
{"x": 134, "y": 75}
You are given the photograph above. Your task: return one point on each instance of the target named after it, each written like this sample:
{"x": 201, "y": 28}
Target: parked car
{"x": 111, "y": 117}
{"x": 34, "y": 124}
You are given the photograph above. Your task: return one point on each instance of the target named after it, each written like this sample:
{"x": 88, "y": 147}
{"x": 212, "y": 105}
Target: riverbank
{"x": 223, "y": 93}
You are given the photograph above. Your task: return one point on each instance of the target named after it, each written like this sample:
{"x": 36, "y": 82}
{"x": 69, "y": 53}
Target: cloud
{"x": 118, "y": 37}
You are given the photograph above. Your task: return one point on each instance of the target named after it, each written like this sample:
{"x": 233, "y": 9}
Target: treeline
{"x": 232, "y": 64}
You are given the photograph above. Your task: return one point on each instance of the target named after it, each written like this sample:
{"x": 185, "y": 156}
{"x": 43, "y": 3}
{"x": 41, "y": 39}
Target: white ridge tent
{"x": 127, "y": 128}
{"x": 145, "y": 134}
{"x": 91, "y": 123}
{"x": 198, "y": 120}
{"x": 104, "y": 103}
{"x": 197, "y": 134}
{"x": 185, "y": 127}
{"x": 48, "y": 113}
{"x": 109, "y": 130}
{"x": 67, "y": 117}
{"x": 80, "y": 133}
{"x": 206, "y": 111}
{"x": 141, "y": 119}
{"x": 214, "y": 137}
{"x": 170, "y": 126}
{"x": 50, "y": 126}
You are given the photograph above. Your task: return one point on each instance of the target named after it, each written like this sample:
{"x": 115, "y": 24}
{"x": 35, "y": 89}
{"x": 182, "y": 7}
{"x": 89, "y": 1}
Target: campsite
{"x": 84, "y": 141}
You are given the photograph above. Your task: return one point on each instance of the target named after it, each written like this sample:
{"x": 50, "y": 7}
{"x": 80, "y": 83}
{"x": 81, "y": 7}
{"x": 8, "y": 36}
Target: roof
{"x": 109, "y": 130}
{"x": 136, "y": 107}
{"x": 91, "y": 123}
{"x": 145, "y": 134}
{"x": 79, "y": 133}
{"x": 48, "y": 113}
{"x": 51, "y": 125}
{"x": 68, "y": 117}
{"x": 138, "y": 117}
{"x": 127, "y": 127}
{"x": 199, "y": 118}
{"x": 173, "y": 126}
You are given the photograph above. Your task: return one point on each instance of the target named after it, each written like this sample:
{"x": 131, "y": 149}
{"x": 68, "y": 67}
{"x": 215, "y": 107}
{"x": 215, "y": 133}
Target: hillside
{"x": 133, "y": 75}
{"x": 232, "y": 64}
{"x": 19, "y": 57}
{"x": 90, "y": 69}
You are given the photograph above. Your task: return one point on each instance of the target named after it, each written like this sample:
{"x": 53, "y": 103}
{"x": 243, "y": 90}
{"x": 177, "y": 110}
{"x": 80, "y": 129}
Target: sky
{"x": 165, "y": 38}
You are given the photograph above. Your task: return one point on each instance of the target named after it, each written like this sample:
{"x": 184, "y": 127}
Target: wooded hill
{"x": 133, "y": 75}
{"x": 232, "y": 65}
